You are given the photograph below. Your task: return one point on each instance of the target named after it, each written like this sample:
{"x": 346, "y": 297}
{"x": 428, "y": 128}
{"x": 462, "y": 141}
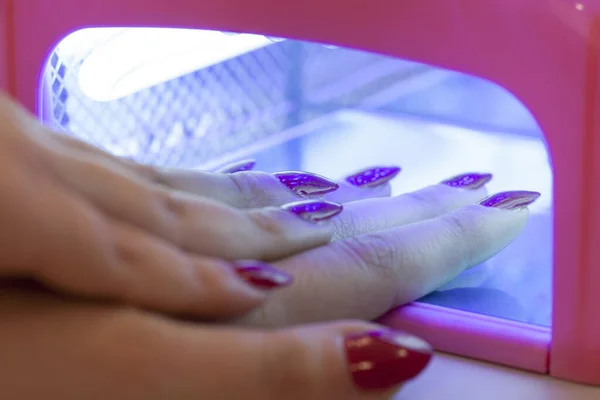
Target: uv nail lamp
{"x": 439, "y": 87}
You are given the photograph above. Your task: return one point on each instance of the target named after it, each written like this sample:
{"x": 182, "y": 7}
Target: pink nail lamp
{"x": 544, "y": 52}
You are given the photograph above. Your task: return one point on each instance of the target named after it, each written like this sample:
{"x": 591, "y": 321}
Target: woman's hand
{"x": 158, "y": 238}
{"x": 86, "y": 223}
{"x": 53, "y": 347}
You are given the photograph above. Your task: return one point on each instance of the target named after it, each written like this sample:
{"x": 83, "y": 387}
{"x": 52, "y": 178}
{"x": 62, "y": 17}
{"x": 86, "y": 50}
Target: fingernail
{"x": 471, "y": 180}
{"x": 373, "y": 177}
{"x": 244, "y": 165}
{"x": 510, "y": 200}
{"x": 306, "y": 183}
{"x": 262, "y": 275}
{"x": 314, "y": 210}
{"x": 379, "y": 360}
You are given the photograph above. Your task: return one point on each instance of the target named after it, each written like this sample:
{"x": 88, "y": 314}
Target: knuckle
{"x": 372, "y": 252}
{"x": 465, "y": 225}
{"x": 268, "y": 221}
{"x": 426, "y": 202}
{"x": 250, "y": 188}
{"x": 467, "y": 234}
{"x": 173, "y": 210}
{"x": 352, "y": 224}
{"x": 458, "y": 223}
{"x": 270, "y": 236}
{"x": 213, "y": 276}
{"x": 258, "y": 317}
{"x": 151, "y": 173}
{"x": 170, "y": 201}
{"x": 274, "y": 233}
{"x": 125, "y": 328}
{"x": 211, "y": 291}
{"x": 279, "y": 374}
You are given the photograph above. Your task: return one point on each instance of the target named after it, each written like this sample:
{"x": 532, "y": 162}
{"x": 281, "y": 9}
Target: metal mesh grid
{"x": 203, "y": 115}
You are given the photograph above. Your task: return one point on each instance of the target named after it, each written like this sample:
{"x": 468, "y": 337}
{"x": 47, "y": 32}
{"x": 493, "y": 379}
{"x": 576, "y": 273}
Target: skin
{"x": 64, "y": 349}
{"x": 122, "y": 252}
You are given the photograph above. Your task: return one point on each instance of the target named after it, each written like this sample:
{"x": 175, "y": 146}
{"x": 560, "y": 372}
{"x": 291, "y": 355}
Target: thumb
{"x": 342, "y": 360}
{"x": 78, "y": 350}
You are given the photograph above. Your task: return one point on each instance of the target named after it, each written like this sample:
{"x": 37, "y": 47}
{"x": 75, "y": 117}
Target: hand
{"x": 63, "y": 349}
{"x": 87, "y": 224}
{"x": 380, "y": 258}
{"x": 389, "y": 250}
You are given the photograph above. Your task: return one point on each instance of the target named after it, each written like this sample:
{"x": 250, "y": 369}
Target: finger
{"x": 233, "y": 184}
{"x": 83, "y": 351}
{"x": 189, "y": 222}
{"x": 373, "y": 215}
{"x": 252, "y": 189}
{"x": 365, "y": 276}
{"x": 244, "y": 189}
{"x": 248, "y": 189}
{"x": 82, "y": 252}
{"x": 344, "y": 360}
{"x": 239, "y": 166}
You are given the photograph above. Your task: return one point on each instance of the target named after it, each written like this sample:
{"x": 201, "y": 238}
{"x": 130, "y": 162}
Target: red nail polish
{"x": 379, "y": 360}
{"x": 510, "y": 200}
{"x": 306, "y": 183}
{"x": 471, "y": 180}
{"x": 314, "y": 210}
{"x": 373, "y": 177}
{"x": 262, "y": 275}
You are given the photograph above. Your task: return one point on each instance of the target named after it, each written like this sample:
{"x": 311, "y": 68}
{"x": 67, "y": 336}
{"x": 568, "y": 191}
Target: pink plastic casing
{"x": 5, "y": 55}
{"x": 543, "y": 51}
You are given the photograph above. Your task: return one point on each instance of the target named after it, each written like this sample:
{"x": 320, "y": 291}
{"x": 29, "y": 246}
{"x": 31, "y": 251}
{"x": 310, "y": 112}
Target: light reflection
{"x": 131, "y": 60}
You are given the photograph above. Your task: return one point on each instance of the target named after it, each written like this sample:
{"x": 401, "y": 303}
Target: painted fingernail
{"x": 471, "y": 180}
{"x": 379, "y": 360}
{"x": 243, "y": 165}
{"x": 373, "y": 177}
{"x": 510, "y": 200}
{"x": 262, "y": 275}
{"x": 306, "y": 183}
{"x": 314, "y": 210}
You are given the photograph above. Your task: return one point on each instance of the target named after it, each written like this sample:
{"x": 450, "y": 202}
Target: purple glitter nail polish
{"x": 244, "y": 165}
{"x": 314, "y": 210}
{"x": 373, "y": 177}
{"x": 306, "y": 184}
{"x": 510, "y": 200}
{"x": 471, "y": 180}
